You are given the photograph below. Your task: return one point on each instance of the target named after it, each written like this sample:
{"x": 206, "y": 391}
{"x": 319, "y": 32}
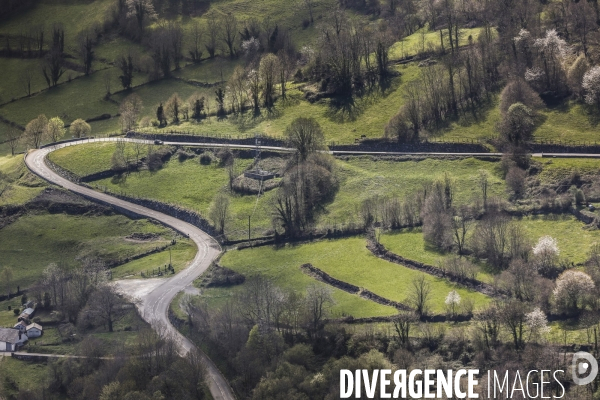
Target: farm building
{"x": 21, "y": 325}
{"x": 11, "y": 339}
{"x": 27, "y": 313}
{"x": 34, "y": 330}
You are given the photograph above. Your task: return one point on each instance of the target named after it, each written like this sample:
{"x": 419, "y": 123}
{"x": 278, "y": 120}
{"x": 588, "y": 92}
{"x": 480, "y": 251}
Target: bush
{"x": 17, "y": 311}
{"x": 205, "y": 159}
{"x": 518, "y": 91}
{"x": 515, "y": 181}
{"x": 398, "y": 128}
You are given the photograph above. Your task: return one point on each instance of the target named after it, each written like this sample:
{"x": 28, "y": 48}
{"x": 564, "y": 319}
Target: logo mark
{"x": 583, "y": 363}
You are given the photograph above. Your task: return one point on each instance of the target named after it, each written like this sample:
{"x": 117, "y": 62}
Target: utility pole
{"x": 249, "y": 227}
{"x": 170, "y": 259}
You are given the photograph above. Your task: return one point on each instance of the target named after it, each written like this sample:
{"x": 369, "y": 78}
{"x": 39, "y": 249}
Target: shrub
{"x": 515, "y": 181}
{"x": 205, "y": 159}
{"x": 16, "y": 311}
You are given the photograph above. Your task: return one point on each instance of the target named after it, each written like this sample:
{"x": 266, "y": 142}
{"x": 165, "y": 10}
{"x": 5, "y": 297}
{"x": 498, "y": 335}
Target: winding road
{"x": 155, "y": 303}
{"x": 157, "y": 296}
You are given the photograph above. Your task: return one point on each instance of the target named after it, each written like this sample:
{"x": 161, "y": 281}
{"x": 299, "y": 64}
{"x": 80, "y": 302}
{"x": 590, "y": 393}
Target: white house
{"x": 11, "y": 339}
{"x": 21, "y": 325}
{"x": 34, "y": 330}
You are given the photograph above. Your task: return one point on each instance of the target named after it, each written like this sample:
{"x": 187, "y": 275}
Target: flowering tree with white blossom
{"x": 537, "y": 323}
{"x": 591, "y": 85}
{"x": 572, "y": 291}
{"x": 452, "y": 302}
{"x": 546, "y": 253}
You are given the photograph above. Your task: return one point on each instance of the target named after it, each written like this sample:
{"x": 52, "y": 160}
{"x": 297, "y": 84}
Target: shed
{"x": 21, "y": 325}
{"x": 11, "y": 339}
{"x": 27, "y": 313}
{"x": 34, "y": 330}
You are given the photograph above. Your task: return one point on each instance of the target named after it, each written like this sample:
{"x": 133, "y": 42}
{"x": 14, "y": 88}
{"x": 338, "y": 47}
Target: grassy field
{"x": 86, "y": 159}
{"x": 180, "y": 256}
{"x": 409, "y": 243}
{"x": 62, "y": 238}
{"x": 361, "y": 179}
{"x": 574, "y": 241}
{"x": 347, "y": 260}
{"x": 22, "y": 185}
{"x": 194, "y": 186}
{"x": 423, "y": 40}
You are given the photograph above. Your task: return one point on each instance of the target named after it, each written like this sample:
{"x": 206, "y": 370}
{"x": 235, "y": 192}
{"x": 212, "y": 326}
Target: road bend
{"x": 154, "y": 305}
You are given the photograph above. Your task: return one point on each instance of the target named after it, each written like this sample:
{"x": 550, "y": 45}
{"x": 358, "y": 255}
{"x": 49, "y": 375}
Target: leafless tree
{"x": 269, "y": 66}
{"x": 86, "y": 50}
{"x": 25, "y": 79}
{"x": 461, "y": 224}
{"x": 403, "y": 323}
{"x": 512, "y": 316}
{"x": 318, "y": 303}
{"x": 310, "y": 6}
{"x": 219, "y": 212}
{"x": 130, "y": 109}
{"x": 173, "y": 108}
{"x": 420, "y": 294}
{"x": 52, "y": 67}
{"x": 212, "y": 34}
{"x": 483, "y": 182}
{"x": 142, "y": 11}
{"x": 305, "y": 135}
{"x": 229, "y": 32}
{"x": 13, "y": 139}
{"x": 107, "y": 305}
{"x": 197, "y": 34}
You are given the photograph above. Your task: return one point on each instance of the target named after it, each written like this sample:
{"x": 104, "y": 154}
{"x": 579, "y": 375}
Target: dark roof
{"x": 9, "y": 335}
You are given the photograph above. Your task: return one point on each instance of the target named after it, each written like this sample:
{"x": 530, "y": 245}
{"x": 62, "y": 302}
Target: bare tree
{"x": 107, "y": 305}
{"x": 305, "y": 135}
{"x": 107, "y": 80}
{"x": 142, "y": 11}
{"x": 403, "y": 323}
{"x": 219, "y": 212}
{"x": 461, "y": 224}
{"x": 13, "y": 139}
{"x": 310, "y": 6}
{"x": 512, "y": 314}
{"x": 173, "y": 107}
{"x": 130, "y": 109}
{"x": 318, "y": 302}
{"x": 420, "y": 294}
{"x": 25, "y": 79}
{"x": 269, "y": 65}
{"x": 52, "y": 67}
{"x": 197, "y": 33}
{"x": 229, "y": 32}
{"x": 86, "y": 50}
{"x": 212, "y": 34}
{"x": 482, "y": 180}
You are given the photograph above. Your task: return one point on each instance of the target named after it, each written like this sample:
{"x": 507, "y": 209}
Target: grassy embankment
{"x": 63, "y": 238}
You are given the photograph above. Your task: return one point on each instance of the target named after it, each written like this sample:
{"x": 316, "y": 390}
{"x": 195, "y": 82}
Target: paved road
{"x": 337, "y": 152}
{"x": 155, "y": 304}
